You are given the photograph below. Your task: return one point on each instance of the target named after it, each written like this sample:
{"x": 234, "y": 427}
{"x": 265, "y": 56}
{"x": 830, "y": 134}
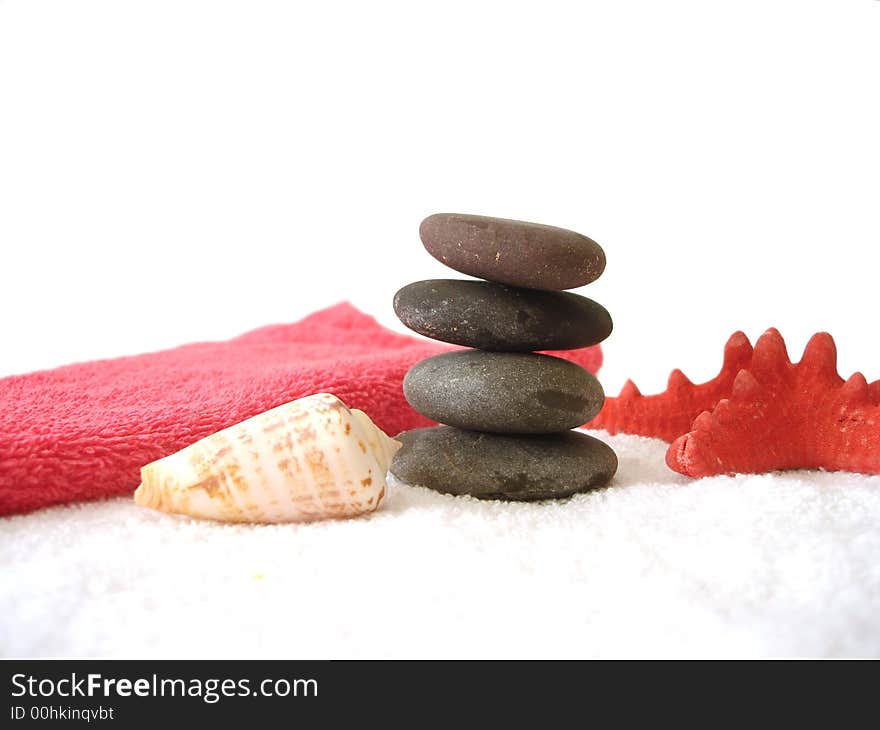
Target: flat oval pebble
{"x": 503, "y": 392}
{"x": 499, "y": 317}
{"x": 493, "y": 466}
{"x": 513, "y": 252}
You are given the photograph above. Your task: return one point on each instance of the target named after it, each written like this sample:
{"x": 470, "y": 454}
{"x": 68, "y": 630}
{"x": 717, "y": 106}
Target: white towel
{"x": 657, "y": 565}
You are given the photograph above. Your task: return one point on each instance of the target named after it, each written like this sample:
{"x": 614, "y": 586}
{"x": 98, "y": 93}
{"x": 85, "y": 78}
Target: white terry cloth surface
{"x": 781, "y": 564}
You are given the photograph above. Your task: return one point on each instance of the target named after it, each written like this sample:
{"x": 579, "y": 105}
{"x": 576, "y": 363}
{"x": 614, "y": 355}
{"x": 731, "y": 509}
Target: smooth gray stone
{"x": 513, "y": 252}
{"x": 503, "y": 392}
{"x": 499, "y": 317}
{"x": 493, "y": 466}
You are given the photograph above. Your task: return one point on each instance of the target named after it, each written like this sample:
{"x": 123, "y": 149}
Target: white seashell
{"x": 309, "y": 459}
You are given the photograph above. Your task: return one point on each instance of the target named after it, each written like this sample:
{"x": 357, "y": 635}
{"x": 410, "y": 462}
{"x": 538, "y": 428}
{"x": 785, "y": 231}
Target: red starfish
{"x": 761, "y": 413}
{"x": 785, "y": 416}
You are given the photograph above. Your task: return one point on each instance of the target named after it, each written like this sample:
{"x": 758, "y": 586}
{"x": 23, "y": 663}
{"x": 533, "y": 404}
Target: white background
{"x": 172, "y": 171}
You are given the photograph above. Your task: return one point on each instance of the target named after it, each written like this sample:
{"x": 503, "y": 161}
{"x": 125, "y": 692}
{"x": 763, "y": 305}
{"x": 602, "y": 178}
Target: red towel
{"x": 83, "y": 431}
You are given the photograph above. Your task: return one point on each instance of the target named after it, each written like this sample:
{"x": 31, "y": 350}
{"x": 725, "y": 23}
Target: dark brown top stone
{"x": 513, "y": 252}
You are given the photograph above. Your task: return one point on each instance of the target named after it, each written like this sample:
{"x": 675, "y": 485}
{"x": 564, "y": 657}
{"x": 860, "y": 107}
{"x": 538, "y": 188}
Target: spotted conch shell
{"x": 309, "y": 459}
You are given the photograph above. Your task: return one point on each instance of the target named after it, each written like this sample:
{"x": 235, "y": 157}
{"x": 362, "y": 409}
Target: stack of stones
{"x": 508, "y": 411}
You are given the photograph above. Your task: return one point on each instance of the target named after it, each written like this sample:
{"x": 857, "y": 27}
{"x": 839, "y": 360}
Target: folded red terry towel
{"x": 83, "y": 431}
